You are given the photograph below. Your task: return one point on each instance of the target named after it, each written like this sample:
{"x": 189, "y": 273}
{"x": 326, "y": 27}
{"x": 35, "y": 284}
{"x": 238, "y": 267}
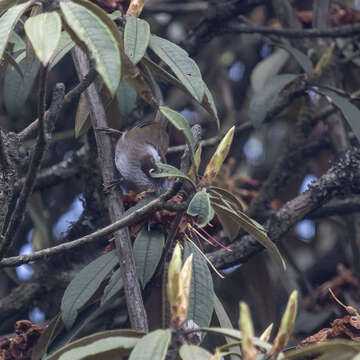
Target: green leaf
{"x": 228, "y": 196}
{"x": 254, "y": 229}
{"x": 152, "y": 346}
{"x": 148, "y": 247}
{"x": 114, "y": 286}
{"x": 351, "y": 112}
{"x": 136, "y": 38}
{"x": 98, "y": 38}
{"x": 105, "y": 345}
{"x": 44, "y": 32}
{"x": 168, "y": 171}
{"x": 229, "y": 224}
{"x": 303, "y": 60}
{"x": 8, "y": 58}
{"x": 126, "y": 97}
{"x": 16, "y": 88}
{"x": 19, "y": 43}
{"x": 263, "y": 100}
{"x": 200, "y": 206}
{"x": 7, "y": 22}
{"x": 201, "y": 299}
{"x": 192, "y": 352}
{"x": 180, "y": 123}
{"x": 64, "y": 46}
{"x": 84, "y": 286}
{"x": 208, "y": 102}
{"x": 181, "y": 64}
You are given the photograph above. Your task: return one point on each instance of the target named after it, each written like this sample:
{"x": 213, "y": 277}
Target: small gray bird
{"x": 137, "y": 152}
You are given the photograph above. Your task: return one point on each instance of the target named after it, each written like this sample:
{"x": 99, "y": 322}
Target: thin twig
{"x": 69, "y": 97}
{"x": 32, "y": 171}
{"x": 128, "y": 220}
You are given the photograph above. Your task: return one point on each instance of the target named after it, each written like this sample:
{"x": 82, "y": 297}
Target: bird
{"x": 136, "y": 153}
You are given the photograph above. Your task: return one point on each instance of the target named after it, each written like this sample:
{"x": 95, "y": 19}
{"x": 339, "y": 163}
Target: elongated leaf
{"x": 148, "y": 247}
{"x": 254, "y": 229}
{"x": 201, "y": 299}
{"x": 181, "y": 64}
{"x": 152, "y": 346}
{"x": 16, "y": 88}
{"x": 114, "y": 286}
{"x": 44, "y": 32}
{"x": 192, "y": 352}
{"x": 104, "y": 345}
{"x": 19, "y": 43}
{"x": 126, "y": 97}
{"x": 262, "y": 100}
{"x": 64, "y": 46}
{"x": 200, "y": 206}
{"x": 180, "y": 123}
{"x": 229, "y": 224}
{"x": 168, "y": 171}
{"x": 7, "y": 22}
{"x": 237, "y": 203}
{"x": 208, "y": 102}
{"x": 84, "y": 285}
{"x": 136, "y": 38}
{"x": 13, "y": 63}
{"x": 303, "y": 60}
{"x": 351, "y": 112}
{"x": 98, "y": 38}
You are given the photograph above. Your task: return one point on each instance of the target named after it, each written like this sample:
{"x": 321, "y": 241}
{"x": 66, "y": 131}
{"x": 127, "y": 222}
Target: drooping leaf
{"x": 229, "y": 224}
{"x": 181, "y": 64}
{"x": 94, "y": 32}
{"x": 136, "y": 38}
{"x": 254, "y": 229}
{"x": 84, "y": 286}
{"x": 351, "y": 112}
{"x": 114, "y": 286}
{"x": 200, "y": 206}
{"x": 104, "y": 345}
{"x": 268, "y": 68}
{"x": 194, "y": 168}
{"x": 237, "y": 203}
{"x": 302, "y": 59}
{"x": 147, "y": 248}
{"x": 214, "y": 165}
{"x": 263, "y": 99}
{"x": 8, "y": 21}
{"x": 201, "y": 300}
{"x": 126, "y": 97}
{"x": 64, "y": 46}
{"x": 168, "y": 171}
{"x": 208, "y": 102}
{"x": 180, "y": 123}
{"x": 13, "y": 63}
{"x": 16, "y": 88}
{"x": 44, "y": 31}
{"x": 152, "y": 346}
{"x": 192, "y": 352}
{"x": 82, "y": 118}
{"x": 17, "y": 41}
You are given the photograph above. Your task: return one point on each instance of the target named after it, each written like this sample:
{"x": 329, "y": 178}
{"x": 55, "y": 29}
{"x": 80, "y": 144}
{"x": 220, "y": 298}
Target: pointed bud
{"x": 286, "y": 326}
{"x": 249, "y": 351}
